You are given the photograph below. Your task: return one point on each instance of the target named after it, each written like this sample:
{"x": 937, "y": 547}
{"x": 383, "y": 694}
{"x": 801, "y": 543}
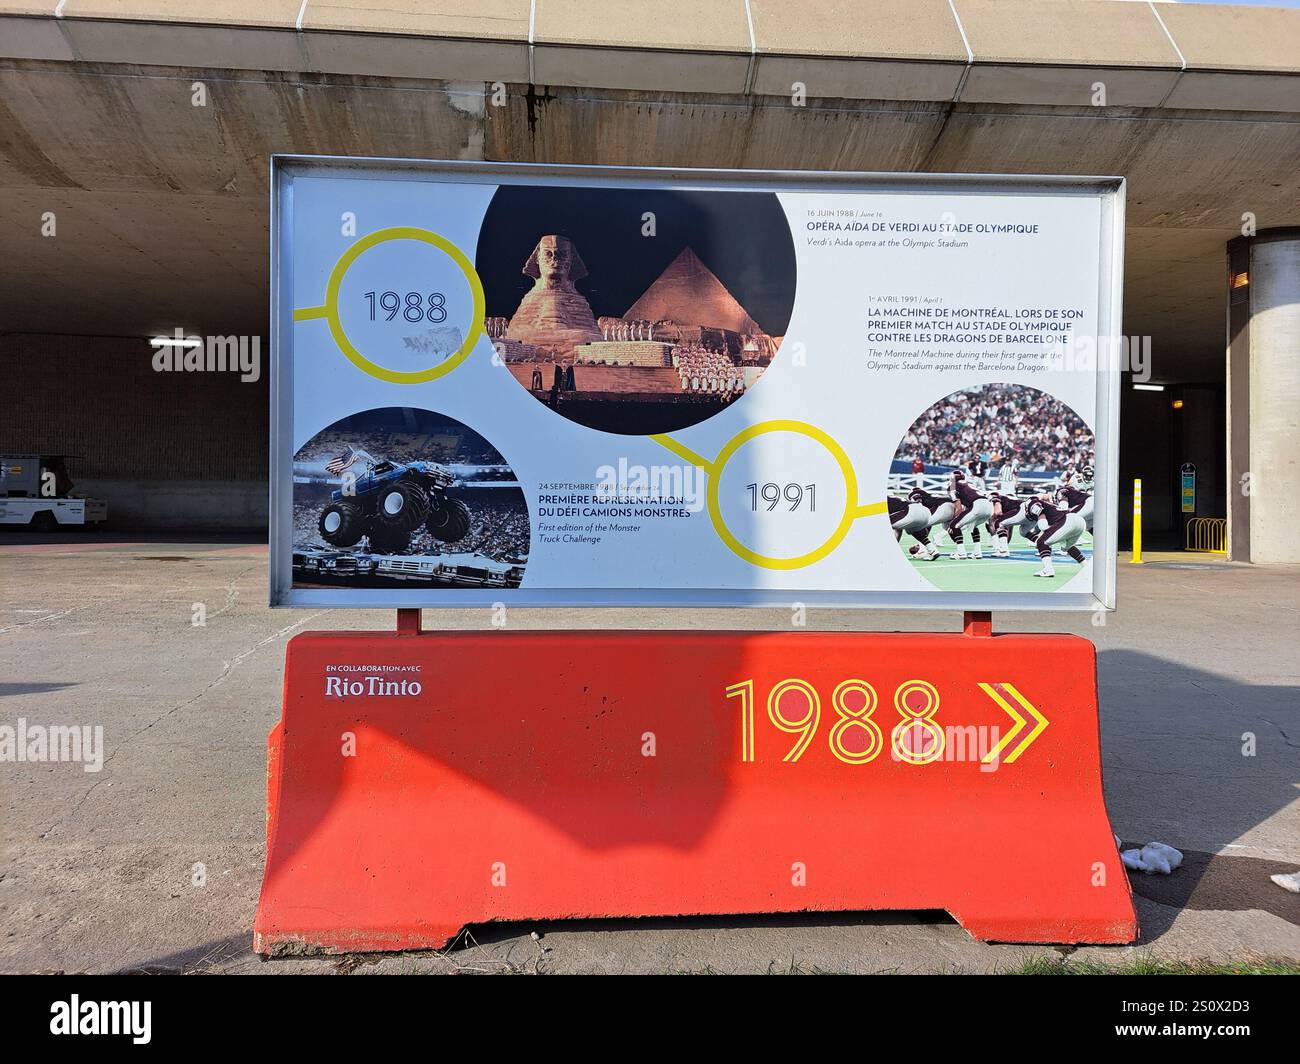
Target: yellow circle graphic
{"x": 330, "y": 309}
{"x": 851, "y": 509}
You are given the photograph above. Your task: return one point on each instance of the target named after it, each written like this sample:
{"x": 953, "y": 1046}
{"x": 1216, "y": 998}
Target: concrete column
{"x": 1264, "y": 396}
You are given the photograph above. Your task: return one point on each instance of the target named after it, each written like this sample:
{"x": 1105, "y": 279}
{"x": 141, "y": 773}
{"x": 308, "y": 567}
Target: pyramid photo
{"x": 684, "y": 349}
{"x": 689, "y": 293}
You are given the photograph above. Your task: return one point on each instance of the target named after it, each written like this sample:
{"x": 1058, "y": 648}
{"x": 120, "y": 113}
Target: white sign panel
{"x": 591, "y": 385}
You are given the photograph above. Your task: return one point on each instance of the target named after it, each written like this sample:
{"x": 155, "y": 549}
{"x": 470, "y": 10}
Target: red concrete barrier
{"x": 419, "y": 783}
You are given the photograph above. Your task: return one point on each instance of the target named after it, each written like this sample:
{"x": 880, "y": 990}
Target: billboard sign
{"x": 563, "y": 385}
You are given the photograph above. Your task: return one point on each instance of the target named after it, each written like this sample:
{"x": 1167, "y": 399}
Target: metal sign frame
{"x": 285, "y": 168}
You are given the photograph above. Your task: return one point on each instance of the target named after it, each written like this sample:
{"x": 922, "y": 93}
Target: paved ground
{"x": 95, "y": 869}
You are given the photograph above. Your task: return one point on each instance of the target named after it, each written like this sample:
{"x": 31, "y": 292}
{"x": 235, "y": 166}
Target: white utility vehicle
{"x": 36, "y": 493}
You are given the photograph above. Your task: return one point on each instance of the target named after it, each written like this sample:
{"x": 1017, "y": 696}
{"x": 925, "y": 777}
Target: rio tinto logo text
{"x": 382, "y": 681}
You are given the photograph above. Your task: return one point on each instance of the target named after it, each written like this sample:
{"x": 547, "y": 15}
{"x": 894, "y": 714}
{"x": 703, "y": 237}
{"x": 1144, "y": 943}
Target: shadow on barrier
{"x": 552, "y": 775}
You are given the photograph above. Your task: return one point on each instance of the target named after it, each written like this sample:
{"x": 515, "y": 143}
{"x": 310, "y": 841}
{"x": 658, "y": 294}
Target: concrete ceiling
{"x": 161, "y": 206}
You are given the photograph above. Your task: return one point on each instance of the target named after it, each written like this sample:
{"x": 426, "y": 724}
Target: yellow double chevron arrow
{"x": 1021, "y": 724}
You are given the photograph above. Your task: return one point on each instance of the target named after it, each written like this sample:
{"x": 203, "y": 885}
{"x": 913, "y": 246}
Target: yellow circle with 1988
{"x": 788, "y": 495}
{"x": 403, "y": 280}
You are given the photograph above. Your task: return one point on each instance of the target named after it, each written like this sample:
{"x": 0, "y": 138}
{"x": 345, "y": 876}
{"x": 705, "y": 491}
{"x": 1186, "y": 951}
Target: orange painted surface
{"x": 517, "y": 783}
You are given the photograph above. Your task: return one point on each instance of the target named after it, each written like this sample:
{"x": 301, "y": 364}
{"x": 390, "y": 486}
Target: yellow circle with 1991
{"x": 713, "y": 469}
{"x": 329, "y": 310}
{"x": 850, "y": 494}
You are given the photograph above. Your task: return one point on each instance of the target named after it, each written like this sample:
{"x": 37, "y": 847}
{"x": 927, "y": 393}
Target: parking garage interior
{"x": 135, "y": 148}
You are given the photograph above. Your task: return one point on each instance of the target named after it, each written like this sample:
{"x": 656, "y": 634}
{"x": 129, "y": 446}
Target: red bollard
{"x": 422, "y": 782}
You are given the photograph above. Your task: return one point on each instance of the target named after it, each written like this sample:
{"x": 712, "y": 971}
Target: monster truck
{"x": 389, "y": 502}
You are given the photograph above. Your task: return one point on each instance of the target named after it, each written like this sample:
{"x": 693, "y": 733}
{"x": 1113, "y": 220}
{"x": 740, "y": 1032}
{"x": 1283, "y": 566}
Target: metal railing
{"x": 1207, "y": 535}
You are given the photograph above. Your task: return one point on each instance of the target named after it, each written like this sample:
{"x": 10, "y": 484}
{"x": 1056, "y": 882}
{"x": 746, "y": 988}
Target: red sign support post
{"x": 419, "y": 782}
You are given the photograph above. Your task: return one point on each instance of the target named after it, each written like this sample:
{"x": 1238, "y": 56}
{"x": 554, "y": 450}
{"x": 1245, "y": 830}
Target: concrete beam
{"x": 886, "y": 50}
{"x": 1061, "y": 51}
{"x": 1043, "y": 52}
{"x": 484, "y": 41}
{"x": 151, "y": 193}
{"x": 624, "y": 44}
{"x": 1221, "y": 37}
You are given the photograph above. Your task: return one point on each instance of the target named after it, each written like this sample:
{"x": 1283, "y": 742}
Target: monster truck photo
{"x": 389, "y": 501}
{"x": 402, "y": 497}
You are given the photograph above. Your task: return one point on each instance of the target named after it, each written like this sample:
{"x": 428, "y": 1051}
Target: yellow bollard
{"x": 1137, "y": 522}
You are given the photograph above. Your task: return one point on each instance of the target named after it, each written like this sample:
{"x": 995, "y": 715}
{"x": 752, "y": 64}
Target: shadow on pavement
{"x": 1175, "y": 742}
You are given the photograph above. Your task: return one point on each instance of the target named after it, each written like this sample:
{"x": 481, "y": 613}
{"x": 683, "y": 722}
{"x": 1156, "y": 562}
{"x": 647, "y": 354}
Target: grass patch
{"x": 1047, "y": 964}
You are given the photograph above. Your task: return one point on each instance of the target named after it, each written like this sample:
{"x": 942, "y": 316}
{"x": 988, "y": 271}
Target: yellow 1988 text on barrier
{"x": 903, "y": 738}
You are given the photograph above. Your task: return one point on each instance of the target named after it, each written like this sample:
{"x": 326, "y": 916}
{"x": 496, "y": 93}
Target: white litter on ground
{"x": 1151, "y": 858}
{"x": 1288, "y": 882}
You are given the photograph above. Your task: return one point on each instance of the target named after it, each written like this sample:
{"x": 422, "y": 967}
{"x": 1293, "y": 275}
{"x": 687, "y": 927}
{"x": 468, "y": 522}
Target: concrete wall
{"x": 194, "y": 506}
{"x": 166, "y": 449}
